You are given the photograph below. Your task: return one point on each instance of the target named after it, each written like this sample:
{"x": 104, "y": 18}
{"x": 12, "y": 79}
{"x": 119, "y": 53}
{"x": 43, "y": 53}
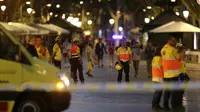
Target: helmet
{"x": 57, "y": 38}
{"x": 76, "y": 39}
{"x": 118, "y": 66}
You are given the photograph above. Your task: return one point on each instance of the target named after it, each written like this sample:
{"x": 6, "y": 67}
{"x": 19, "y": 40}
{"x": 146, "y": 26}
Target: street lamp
{"x": 144, "y": 10}
{"x": 152, "y": 18}
{"x": 149, "y": 7}
{"x": 88, "y": 13}
{"x": 70, "y": 18}
{"x": 177, "y": 13}
{"x": 29, "y": 10}
{"x": 173, "y": 0}
{"x": 58, "y": 6}
{"x": 3, "y": 8}
{"x": 79, "y": 14}
{"x": 120, "y": 29}
{"x": 28, "y": 2}
{"x": 78, "y": 24}
{"x": 186, "y": 13}
{"x": 111, "y": 21}
{"x": 51, "y": 13}
{"x": 63, "y": 16}
{"x": 146, "y": 20}
{"x": 89, "y": 22}
{"x": 81, "y": 2}
{"x": 48, "y": 5}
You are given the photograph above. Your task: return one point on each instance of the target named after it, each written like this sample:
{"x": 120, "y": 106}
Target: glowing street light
{"x": 3, "y": 8}
{"x": 81, "y": 2}
{"x": 70, "y": 18}
{"x": 111, "y": 21}
{"x": 56, "y": 15}
{"x": 177, "y": 13}
{"x": 173, "y": 0}
{"x": 146, "y": 20}
{"x": 29, "y": 10}
{"x": 79, "y": 24}
{"x": 144, "y": 10}
{"x": 51, "y": 13}
{"x": 152, "y": 18}
{"x": 28, "y": 2}
{"x": 48, "y": 5}
{"x": 88, "y": 13}
{"x": 186, "y": 13}
{"x": 149, "y": 7}
{"x": 120, "y": 29}
{"x": 58, "y": 6}
{"x": 89, "y": 22}
{"x": 79, "y": 14}
{"x": 63, "y": 16}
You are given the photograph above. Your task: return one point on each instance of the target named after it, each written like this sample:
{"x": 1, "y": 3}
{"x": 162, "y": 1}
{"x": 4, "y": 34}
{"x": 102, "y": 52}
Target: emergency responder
{"x": 42, "y": 50}
{"x": 76, "y": 61}
{"x": 124, "y": 58}
{"x": 171, "y": 67}
{"x": 57, "y": 55}
{"x": 157, "y": 77}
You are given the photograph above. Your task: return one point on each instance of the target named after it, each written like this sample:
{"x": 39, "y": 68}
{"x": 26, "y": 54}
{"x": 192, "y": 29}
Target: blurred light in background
{"x": 117, "y": 37}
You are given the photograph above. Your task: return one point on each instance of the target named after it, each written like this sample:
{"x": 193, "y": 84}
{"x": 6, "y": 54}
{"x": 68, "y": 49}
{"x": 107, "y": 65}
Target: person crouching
{"x": 157, "y": 77}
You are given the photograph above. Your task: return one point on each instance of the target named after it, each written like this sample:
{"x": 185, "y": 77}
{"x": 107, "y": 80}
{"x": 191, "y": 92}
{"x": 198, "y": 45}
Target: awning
{"x": 42, "y": 30}
{"x": 12, "y": 29}
{"x": 175, "y": 26}
{"x": 53, "y": 27}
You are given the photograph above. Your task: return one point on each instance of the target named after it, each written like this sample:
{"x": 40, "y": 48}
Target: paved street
{"x": 121, "y": 102}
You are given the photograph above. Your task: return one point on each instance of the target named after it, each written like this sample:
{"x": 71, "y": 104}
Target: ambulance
{"x": 28, "y": 84}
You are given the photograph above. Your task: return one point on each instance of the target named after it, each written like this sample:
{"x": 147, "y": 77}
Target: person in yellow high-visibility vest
{"x": 57, "y": 55}
{"x": 124, "y": 58}
{"x": 157, "y": 77}
{"x": 172, "y": 69}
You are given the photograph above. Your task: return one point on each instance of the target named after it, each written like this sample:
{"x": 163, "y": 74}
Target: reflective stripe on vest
{"x": 157, "y": 79}
{"x": 124, "y": 56}
{"x": 157, "y": 74}
{"x": 74, "y": 51}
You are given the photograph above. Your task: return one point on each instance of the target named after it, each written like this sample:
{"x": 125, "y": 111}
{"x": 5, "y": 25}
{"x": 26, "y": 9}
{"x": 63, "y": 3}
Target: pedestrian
{"x": 76, "y": 61}
{"x": 149, "y": 51}
{"x": 57, "y": 55}
{"x": 89, "y": 55}
{"x": 171, "y": 67}
{"x": 124, "y": 59}
{"x": 136, "y": 52}
{"x": 157, "y": 77}
{"x": 183, "y": 77}
{"x": 42, "y": 50}
{"x": 31, "y": 47}
{"x": 99, "y": 50}
{"x": 111, "y": 51}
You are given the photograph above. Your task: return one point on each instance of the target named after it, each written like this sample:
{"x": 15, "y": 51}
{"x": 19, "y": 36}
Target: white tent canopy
{"x": 12, "y": 28}
{"x": 174, "y": 26}
{"x": 55, "y": 28}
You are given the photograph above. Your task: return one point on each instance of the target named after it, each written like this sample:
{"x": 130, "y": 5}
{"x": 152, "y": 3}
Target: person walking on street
{"x": 157, "y": 77}
{"x": 31, "y": 47}
{"x": 76, "y": 61}
{"x": 89, "y": 56}
{"x": 136, "y": 52}
{"x": 124, "y": 59}
{"x": 99, "y": 50}
{"x": 183, "y": 77}
{"x": 171, "y": 67}
{"x": 149, "y": 51}
{"x": 111, "y": 51}
{"x": 42, "y": 50}
{"x": 57, "y": 55}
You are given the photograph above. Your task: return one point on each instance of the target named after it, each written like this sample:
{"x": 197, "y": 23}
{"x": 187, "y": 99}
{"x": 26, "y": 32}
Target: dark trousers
{"x": 180, "y": 98}
{"x": 156, "y": 98}
{"x": 136, "y": 66}
{"x": 126, "y": 69}
{"x": 76, "y": 65}
{"x": 174, "y": 94}
{"x": 57, "y": 64}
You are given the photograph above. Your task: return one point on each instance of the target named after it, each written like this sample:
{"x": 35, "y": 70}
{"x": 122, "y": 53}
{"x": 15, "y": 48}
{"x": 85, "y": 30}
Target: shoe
{"x": 101, "y": 65}
{"x": 158, "y": 107}
{"x": 166, "y": 109}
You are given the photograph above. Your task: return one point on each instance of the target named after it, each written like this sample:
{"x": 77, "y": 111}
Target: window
{"x": 8, "y": 50}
